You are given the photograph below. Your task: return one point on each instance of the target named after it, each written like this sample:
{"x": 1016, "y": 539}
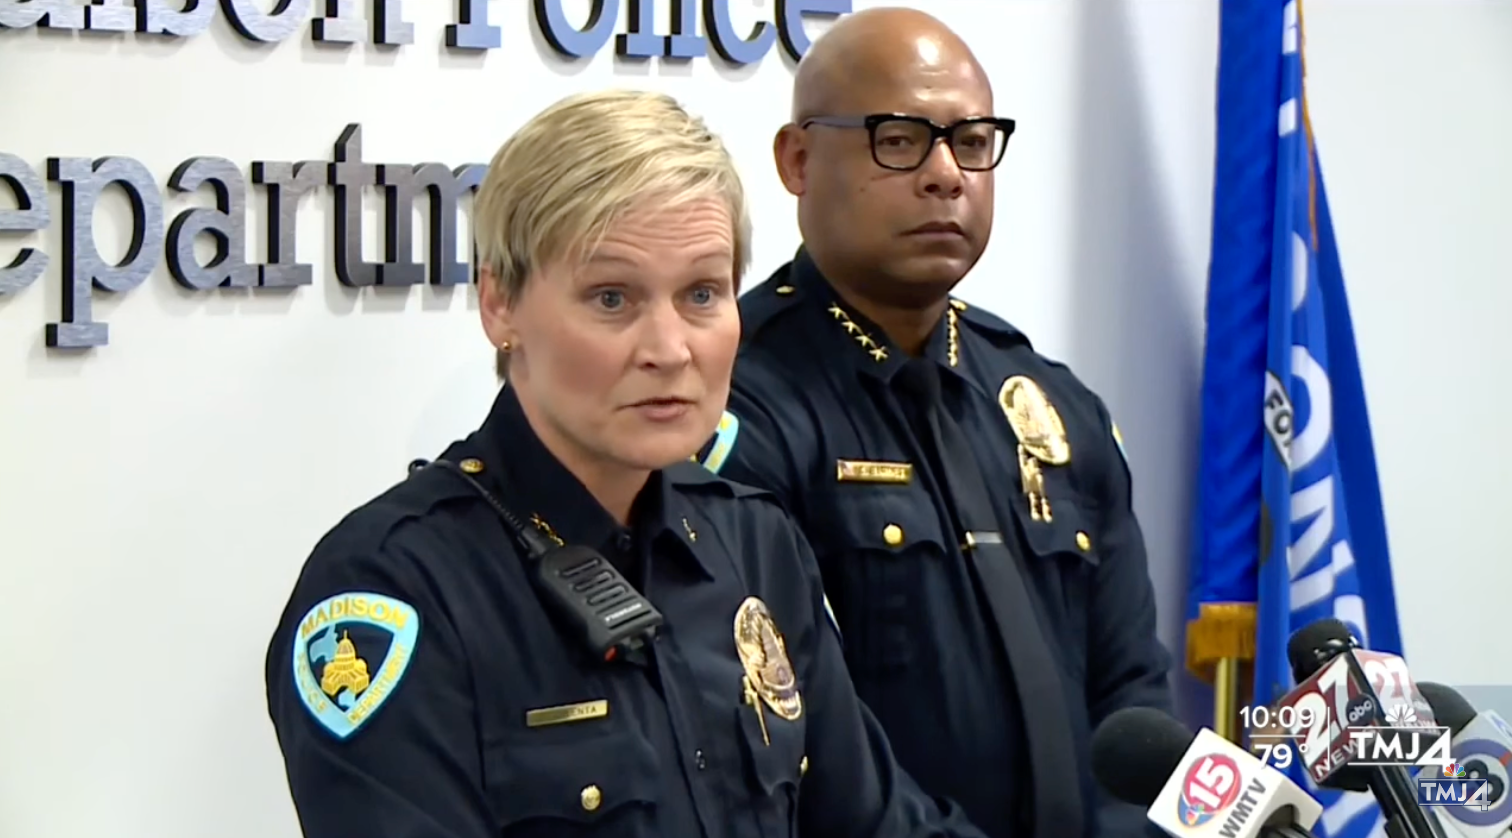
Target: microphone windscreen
{"x": 1136, "y": 750}
{"x": 1450, "y": 709}
{"x": 1302, "y": 649}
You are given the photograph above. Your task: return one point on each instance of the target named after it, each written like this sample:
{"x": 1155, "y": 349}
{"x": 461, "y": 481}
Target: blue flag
{"x": 1290, "y": 527}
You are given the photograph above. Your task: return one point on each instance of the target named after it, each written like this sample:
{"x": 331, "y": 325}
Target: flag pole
{"x": 1220, "y": 645}
{"x": 1226, "y": 699}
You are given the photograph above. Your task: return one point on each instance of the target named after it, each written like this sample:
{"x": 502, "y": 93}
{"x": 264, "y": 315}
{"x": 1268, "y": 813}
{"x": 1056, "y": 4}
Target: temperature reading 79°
{"x": 1276, "y": 754}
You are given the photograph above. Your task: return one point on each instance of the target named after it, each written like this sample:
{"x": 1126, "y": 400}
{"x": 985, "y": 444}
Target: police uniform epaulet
{"x": 762, "y": 304}
{"x": 1064, "y": 367}
{"x": 434, "y": 479}
{"x": 998, "y": 330}
{"x": 369, "y": 527}
{"x": 424, "y": 490}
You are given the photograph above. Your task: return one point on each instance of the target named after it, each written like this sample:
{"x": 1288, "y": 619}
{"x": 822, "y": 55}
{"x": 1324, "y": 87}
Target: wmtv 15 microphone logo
{"x": 1211, "y": 785}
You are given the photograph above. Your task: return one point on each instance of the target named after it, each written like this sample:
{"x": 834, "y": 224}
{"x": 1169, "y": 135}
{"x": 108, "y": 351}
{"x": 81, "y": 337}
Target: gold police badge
{"x": 769, "y": 676}
{"x": 1041, "y": 435}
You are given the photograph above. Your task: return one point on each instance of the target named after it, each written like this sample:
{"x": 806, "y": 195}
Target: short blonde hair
{"x": 555, "y": 187}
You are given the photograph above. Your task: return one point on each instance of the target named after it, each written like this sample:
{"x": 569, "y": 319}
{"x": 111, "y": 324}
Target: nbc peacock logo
{"x": 1454, "y": 769}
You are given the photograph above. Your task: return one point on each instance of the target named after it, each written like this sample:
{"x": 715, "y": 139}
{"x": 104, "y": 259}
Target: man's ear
{"x": 790, "y": 150}
{"x": 493, "y": 308}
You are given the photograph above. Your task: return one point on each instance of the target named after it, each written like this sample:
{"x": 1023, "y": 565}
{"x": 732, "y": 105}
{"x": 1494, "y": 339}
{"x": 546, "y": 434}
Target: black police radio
{"x": 585, "y": 590}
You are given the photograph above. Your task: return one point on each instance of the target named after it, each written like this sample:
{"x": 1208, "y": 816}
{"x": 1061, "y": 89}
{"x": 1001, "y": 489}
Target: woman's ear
{"x": 493, "y": 308}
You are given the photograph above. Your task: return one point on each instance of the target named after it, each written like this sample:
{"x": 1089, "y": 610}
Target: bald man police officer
{"x": 966, "y": 496}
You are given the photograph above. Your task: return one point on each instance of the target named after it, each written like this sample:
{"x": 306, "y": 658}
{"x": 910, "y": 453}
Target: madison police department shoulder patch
{"x": 350, "y": 653}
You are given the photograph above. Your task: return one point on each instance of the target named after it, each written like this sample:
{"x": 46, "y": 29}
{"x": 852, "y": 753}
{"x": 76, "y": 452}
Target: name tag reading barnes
{"x": 869, "y": 471}
{"x": 567, "y": 713}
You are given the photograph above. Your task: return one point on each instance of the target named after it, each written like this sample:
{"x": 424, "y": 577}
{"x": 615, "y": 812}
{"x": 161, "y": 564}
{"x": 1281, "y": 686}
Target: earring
{"x": 506, "y": 346}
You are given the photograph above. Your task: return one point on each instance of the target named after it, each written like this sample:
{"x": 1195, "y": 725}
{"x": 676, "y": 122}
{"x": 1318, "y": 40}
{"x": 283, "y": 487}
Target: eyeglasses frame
{"x": 937, "y": 132}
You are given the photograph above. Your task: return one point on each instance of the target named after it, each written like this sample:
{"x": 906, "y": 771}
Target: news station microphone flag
{"x": 1289, "y": 521}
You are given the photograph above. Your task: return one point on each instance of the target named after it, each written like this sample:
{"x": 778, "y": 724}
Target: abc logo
{"x": 1359, "y": 708}
{"x": 1210, "y": 786}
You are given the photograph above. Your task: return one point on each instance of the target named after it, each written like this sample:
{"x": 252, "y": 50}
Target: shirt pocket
{"x": 601, "y": 783}
{"x": 875, "y": 545}
{"x": 1063, "y": 566}
{"x": 775, "y": 762}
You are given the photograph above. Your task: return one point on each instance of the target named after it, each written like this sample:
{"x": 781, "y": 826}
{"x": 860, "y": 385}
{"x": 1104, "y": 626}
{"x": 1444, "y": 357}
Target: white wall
{"x": 1412, "y": 112}
{"x": 161, "y": 492}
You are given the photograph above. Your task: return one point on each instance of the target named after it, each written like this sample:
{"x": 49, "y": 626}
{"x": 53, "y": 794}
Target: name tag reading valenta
{"x": 582, "y": 711}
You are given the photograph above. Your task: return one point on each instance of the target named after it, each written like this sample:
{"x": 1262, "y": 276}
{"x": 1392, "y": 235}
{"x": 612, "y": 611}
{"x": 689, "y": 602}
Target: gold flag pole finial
{"x": 1220, "y": 643}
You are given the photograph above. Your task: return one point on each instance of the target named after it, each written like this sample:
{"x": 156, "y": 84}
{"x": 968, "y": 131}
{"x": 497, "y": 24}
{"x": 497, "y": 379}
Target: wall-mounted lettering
{"x": 226, "y": 225}
{"x": 83, "y": 271}
{"x": 696, "y": 27}
{"x": 83, "y": 181}
{"x": 639, "y": 41}
{"x": 30, "y": 215}
{"x": 342, "y": 22}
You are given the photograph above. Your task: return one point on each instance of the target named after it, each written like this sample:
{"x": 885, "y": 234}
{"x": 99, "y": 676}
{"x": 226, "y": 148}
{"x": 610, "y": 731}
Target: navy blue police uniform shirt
{"x": 419, "y": 687}
{"x": 813, "y": 417}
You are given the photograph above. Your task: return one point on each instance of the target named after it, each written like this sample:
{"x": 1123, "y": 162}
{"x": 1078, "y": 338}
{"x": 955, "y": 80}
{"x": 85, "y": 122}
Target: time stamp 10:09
{"x": 1275, "y": 733}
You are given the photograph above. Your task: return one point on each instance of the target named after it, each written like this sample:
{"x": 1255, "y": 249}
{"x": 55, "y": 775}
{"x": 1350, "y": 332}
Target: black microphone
{"x": 1331, "y": 673}
{"x": 1196, "y": 786}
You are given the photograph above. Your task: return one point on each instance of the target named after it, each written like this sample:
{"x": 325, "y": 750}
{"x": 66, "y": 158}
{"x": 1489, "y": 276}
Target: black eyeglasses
{"x": 902, "y": 143}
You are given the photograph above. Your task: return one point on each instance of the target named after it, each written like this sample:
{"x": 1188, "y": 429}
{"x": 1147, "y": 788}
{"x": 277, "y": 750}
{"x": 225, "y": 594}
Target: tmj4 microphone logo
{"x": 1454, "y": 788}
{"x": 1401, "y": 741}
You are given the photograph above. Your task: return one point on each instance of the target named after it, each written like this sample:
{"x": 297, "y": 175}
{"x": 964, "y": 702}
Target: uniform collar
{"x": 860, "y": 342}
{"x": 535, "y": 485}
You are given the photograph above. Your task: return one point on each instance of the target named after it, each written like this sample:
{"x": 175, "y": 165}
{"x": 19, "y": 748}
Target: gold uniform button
{"x": 591, "y": 798}
{"x": 784, "y": 290}
{"x": 803, "y": 766}
{"x": 892, "y": 534}
{"x": 471, "y": 465}
{"x": 1083, "y": 541}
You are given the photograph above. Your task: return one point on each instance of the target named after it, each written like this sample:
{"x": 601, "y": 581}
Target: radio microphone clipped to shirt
{"x": 584, "y": 590}
{"x": 1482, "y": 748}
{"x": 1200, "y": 786}
{"x": 1359, "y": 719}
